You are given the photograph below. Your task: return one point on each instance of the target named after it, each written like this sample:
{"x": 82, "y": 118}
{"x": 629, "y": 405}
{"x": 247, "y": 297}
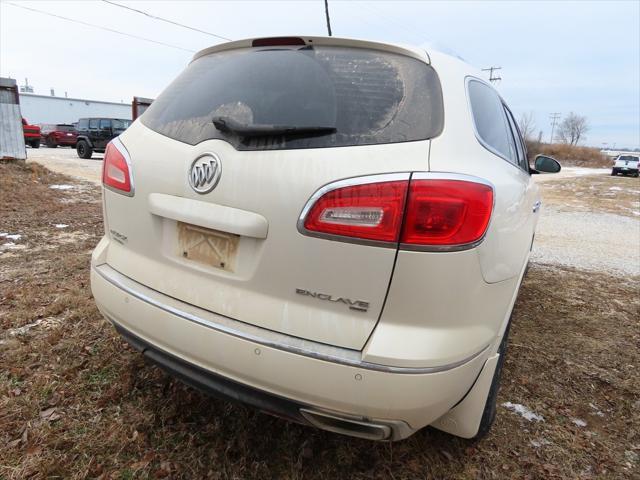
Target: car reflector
{"x": 115, "y": 169}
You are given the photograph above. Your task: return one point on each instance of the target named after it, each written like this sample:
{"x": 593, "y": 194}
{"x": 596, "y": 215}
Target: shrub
{"x": 570, "y": 155}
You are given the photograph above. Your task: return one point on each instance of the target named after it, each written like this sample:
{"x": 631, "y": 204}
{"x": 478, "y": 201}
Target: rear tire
{"x": 35, "y": 143}
{"x": 51, "y": 143}
{"x": 614, "y": 173}
{"x": 489, "y": 413}
{"x": 83, "y": 149}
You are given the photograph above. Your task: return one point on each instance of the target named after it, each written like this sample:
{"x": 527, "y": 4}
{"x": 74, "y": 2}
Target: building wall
{"x": 46, "y": 109}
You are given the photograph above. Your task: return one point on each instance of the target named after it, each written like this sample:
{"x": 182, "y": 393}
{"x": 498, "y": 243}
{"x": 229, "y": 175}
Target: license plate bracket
{"x": 208, "y": 247}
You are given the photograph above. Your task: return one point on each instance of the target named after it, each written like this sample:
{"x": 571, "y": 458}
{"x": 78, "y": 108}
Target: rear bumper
{"x": 392, "y": 403}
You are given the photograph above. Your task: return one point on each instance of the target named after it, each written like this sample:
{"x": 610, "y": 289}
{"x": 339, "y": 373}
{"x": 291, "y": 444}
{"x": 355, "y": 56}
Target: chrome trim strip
{"x": 348, "y": 182}
{"x": 342, "y": 356}
{"x": 117, "y": 143}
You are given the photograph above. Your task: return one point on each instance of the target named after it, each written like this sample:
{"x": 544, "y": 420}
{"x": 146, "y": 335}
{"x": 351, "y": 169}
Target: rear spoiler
{"x": 416, "y": 53}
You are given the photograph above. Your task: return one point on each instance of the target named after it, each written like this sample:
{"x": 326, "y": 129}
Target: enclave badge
{"x": 204, "y": 173}
{"x": 358, "y": 305}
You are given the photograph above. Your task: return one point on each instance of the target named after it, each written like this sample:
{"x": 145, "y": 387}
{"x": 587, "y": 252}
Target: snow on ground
{"x": 523, "y": 411}
{"x": 62, "y": 187}
{"x": 579, "y": 423}
{"x": 61, "y": 225}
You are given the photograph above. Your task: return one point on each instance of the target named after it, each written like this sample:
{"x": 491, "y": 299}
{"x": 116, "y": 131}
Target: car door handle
{"x": 536, "y": 206}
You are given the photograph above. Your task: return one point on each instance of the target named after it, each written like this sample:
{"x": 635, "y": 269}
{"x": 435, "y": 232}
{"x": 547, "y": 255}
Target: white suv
{"x": 626, "y": 165}
{"x": 331, "y": 230}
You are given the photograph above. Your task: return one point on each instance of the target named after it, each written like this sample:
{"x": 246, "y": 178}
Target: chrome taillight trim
{"x": 390, "y": 177}
{"x": 348, "y": 182}
{"x": 117, "y": 143}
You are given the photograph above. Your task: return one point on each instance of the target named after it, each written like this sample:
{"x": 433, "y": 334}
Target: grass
{"x": 619, "y": 195}
{"x": 570, "y": 155}
{"x": 573, "y": 354}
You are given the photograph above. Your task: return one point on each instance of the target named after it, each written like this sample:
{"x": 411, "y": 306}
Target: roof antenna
{"x": 326, "y": 11}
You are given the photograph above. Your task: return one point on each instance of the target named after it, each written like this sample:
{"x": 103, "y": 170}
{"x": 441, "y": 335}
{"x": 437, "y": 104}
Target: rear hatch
{"x": 234, "y": 249}
{"x": 629, "y": 162}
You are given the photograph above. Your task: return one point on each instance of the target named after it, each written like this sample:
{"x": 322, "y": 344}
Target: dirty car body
{"x": 330, "y": 230}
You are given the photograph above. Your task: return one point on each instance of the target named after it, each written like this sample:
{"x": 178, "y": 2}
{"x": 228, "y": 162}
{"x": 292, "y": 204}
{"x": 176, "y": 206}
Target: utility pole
{"x": 492, "y": 79}
{"x": 555, "y": 116}
{"x": 326, "y": 11}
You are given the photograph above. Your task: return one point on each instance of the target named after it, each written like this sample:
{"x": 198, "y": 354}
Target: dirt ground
{"x": 76, "y": 402}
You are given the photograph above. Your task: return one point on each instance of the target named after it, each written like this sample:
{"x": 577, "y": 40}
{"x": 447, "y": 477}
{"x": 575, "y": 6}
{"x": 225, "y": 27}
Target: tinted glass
{"x": 105, "y": 123}
{"x": 93, "y": 123}
{"x": 490, "y": 120}
{"x": 520, "y": 149}
{"x": 369, "y": 96}
{"x": 120, "y": 124}
{"x": 628, "y": 157}
{"x": 83, "y": 124}
{"x": 65, "y": 128}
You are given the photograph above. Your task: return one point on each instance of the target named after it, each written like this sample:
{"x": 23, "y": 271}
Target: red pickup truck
{"x": 31, "y": 134}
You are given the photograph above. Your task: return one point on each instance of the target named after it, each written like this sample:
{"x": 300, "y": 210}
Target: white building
{"x": 49, "y": 109}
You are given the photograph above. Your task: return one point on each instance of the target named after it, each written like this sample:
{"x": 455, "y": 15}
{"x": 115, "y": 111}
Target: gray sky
{"x": 556, "y": 56}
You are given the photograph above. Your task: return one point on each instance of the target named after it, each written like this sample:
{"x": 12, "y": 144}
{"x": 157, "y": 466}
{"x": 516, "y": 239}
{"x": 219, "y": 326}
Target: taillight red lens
{"x": 421, "y": 212}
{"x": 446, "y": 212}
{"x": 371, "y": 211}
{"x": 115, "y": 170}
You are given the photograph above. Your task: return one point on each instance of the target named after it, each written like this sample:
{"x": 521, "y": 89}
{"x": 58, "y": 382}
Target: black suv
{"x": 95, "y": 133}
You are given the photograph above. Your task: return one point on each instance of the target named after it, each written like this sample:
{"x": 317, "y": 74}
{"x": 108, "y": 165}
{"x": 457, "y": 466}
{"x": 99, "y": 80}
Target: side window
{"x": 105, "y": 123}
{"x": 490, "y": 121}
{"x": 83, "y": 124}
{"x": 93, "y": 124}
{"x": 517, "y": 138}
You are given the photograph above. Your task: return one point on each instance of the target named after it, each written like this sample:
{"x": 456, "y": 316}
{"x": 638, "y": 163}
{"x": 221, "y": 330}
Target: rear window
{"x": 65, "y": 128}
{"x": 628, "y": 157}
{"x": 369, "y": 96}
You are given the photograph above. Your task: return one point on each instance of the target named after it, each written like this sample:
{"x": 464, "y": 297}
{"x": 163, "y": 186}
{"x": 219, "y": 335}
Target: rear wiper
{"x": 225, "y": 124}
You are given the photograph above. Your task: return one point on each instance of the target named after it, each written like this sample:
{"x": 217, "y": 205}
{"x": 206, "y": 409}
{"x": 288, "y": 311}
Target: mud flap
{"x": 464, "y": 419}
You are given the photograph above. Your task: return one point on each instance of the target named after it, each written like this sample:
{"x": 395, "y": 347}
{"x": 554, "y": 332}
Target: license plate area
{"x": 208, "y": 247}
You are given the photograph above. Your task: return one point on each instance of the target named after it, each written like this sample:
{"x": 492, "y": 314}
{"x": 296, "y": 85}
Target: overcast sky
{"x": 555, "y": 56}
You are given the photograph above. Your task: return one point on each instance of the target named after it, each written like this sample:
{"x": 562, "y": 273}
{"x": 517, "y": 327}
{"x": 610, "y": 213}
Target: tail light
{"x": 436, "y": 213}
{"x": 116, "y": 168}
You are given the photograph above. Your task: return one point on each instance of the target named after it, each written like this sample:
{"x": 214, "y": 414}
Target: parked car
{"x": 293, "y": 224}
{"x": 95, "y": 133}
{"x": 31, "y": 134}
{"x": 58, "y": 135}
{"x": 626, "y": 165}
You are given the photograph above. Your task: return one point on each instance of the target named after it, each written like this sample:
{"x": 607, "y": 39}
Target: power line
{"x": 100, "y": 27}
{"x": 491, "y": 70}
{"x": 554, "y": 118}
{"x": 326, "y": 11}
{"x": 142, "y": 12}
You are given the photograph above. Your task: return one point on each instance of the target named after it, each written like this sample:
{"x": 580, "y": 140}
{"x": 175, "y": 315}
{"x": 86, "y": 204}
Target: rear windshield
{"x": 65, "y": 128}
{"x": 368, "y": 96}
{"x": 628, "y": 157}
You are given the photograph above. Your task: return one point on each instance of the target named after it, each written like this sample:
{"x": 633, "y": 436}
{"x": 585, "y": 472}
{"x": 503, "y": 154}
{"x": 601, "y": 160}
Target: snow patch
{"x": 578, "y": 422}
{"x": 523, "y": 411}
{"x": 61, "y": 187}
{"x": 61, "y": 225}
{"x": 539, "y": 443}
{"x": 617, "y": 189}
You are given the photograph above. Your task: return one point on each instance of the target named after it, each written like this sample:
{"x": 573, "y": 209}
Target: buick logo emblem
{"x": 204, "y": 173}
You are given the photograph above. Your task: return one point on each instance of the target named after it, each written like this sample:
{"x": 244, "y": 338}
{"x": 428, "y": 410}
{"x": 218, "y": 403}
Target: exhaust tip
{"x": 347, "y": 426}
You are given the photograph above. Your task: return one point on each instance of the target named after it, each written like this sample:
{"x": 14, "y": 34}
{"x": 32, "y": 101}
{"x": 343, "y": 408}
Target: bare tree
{"x": 527, "y": 125}
{"x": 572, "y": 129}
